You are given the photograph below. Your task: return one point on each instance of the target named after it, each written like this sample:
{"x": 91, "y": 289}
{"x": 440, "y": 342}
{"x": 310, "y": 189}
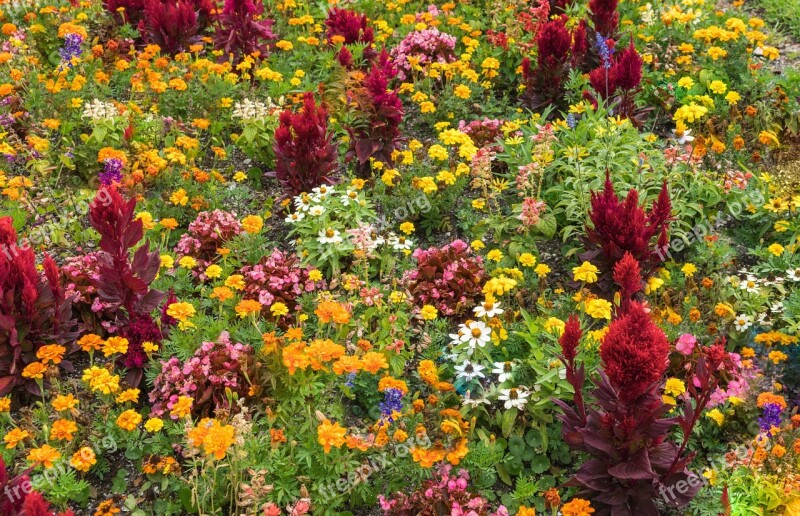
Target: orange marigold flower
{"x": 90, "y": 342}
{"x": 63, "y": 429}
{"x": 51, "y": 353}
{"x": 45, "y": 455}
{"x": 328, "y": 311}
{"x": 330, "y": 435}
{"x": 129, "y": 420}
{"x": 373, "y": 362}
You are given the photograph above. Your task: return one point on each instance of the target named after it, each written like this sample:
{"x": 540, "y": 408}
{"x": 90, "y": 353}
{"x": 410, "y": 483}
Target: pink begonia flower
{"x": 686, "y": 343}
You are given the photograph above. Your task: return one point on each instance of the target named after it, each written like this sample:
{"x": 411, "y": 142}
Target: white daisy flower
{"x": 329, "y": 236}
{"x": 503, "y": 370}
{"x": 295, "y": 217}
{"x": 316, "y": 211}
{"x": 514, "y": 398}
{"x": 742, "y": 322}
{"x": 469, "y": 371}
{"x": 488, "y": 310}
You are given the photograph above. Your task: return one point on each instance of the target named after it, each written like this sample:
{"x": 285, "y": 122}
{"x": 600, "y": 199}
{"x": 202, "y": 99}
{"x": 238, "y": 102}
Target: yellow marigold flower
{"x": 83, "y": 459}
{"x": 577, "y": 507}
{"x": 167, "y": 261}
{"x": 182, "y": 407}
{"x": 115, "y": 345}
{"x": 429, "y": 312}
{"x": 46, "y": 455}
{"x": 330, "y": 435}
{"x": 717, "y": 87}
{"x": 34, "y": 371}
{"x": 128, "y": 395}
{"x": 187, "y": 262}
{"x": 407, "y": 228}
{"x": 462, "y": 92}
{"x": 598, "y": 308}
{"x": 246, "y": 307}
{"x": 733, "y": 98}
{"x": 586, "y": 272}
{"x": 542, "y": 270}
{"x": 149, "y": 347}
{"x": 213, "y": 271}
{"x": 495, "y": 255}
{"x": 689, "y": 270}
{"x": 182, "y": 311}
{"x": 218, "y": 439}
{"x": 674, "y": 387}
{"x": 179, "y": 197}
{"x": 278, "y": 309}
{"x": 63, "y": 429}
{"x": 235, "y": 281}
{"x": 776, "y": 249}
{"x": 62, "y": 403}
{"x": 716, "y": 416}
{"x": 252, "y": 224}
{"x": 14, "y": 437}
{"x": 527, "y": 260}
{"x": 129, "y": 420}
{"x": 5, "y": 404}
{"x": 777, "y": 356}
{"x": 154, "y": 425}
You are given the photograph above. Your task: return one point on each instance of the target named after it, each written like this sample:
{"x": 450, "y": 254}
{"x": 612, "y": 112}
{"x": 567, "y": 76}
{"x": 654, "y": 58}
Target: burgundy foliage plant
{"x": 450, "y": 278}
{"x": 173, "y": 25}
{"x": 240, "y": 31}
{"x": 622, "y": 79}
{"x": 620, "y": 226}
{"x": 604, "y": 16}
{"x": 379, "y": 113}
{"x": 305, "y": 157}
{"x": 623, "y": 425}
{"x": 543, "y": 84}
{"x": 123, "y": 279}
{"x": 34, "y": 309}
{"x": 348, "y": 27}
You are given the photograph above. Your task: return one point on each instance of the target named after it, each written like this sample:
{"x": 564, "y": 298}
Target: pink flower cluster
{"x": 482, "y": 132}
{"x": 278, "y": 277}
{"x": 214, "y": 368}
{"x": 450, "y": 490}
{"x": 532, "y": 210}
{"x": 209, "y": 231}
{"x": 428, "y": 46}
{"x": 449, "y": 278}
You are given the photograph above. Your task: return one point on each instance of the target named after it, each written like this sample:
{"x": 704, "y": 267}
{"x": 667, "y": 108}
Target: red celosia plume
{"x": 348, "y": 25}
{"x": 304, "y": 155}
{"x": 634, "y": 353}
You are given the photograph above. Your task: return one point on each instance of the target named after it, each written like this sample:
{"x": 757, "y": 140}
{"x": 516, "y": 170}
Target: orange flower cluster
{"x": 214, "y": 437}
{"x": 430, "y": 374}
{"x": 768, "y": 397}
{"x": 320, "y": 352}
{"x": 328, "y": 311}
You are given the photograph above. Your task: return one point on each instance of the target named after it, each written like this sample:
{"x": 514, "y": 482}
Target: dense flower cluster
{"x": 216, "y": 369}
{"x": 208, "y": 233}
{"x": 305, "y": 157}
{"x": 278, "y": 277}
{"x": 448, "y": 278}
{"x": 423, "y": 47}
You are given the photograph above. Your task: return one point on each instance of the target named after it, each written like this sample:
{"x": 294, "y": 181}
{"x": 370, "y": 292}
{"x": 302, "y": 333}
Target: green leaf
{"x": 507, "y": 424}
{"x": 547, "y": 225}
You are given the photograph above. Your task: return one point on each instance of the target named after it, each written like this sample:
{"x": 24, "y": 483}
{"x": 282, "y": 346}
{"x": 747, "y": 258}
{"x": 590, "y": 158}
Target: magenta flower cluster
{"x": 278, "y": 277}
{"x": 449, "y": 278}
{"x": 209, "y": 231}
{"x": 205, "y": 377}
{"x": 427, "y": 46}
{"x": 447, "y": 490}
